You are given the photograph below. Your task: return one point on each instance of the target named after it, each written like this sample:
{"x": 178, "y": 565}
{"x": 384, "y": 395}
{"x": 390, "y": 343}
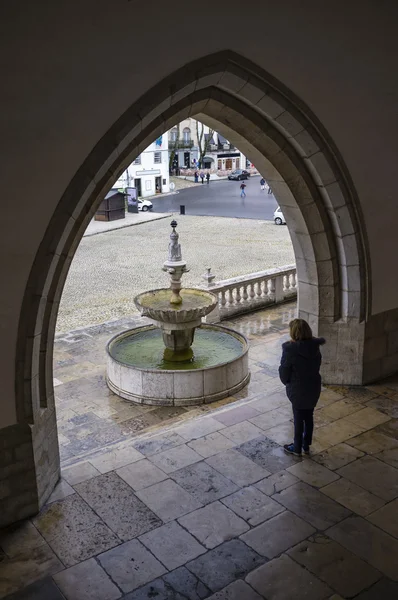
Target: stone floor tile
{"x": 368, "y": 542}
{"x": 130, "y": 565}
{"x": 386, "y": 518}
{"x": 276, "y": 483}
{"x": 373, "y": 475}
{"x": 214, "y": 524}
{"x": 313, "y": 473}
{"x": 117, "y": 505}
{"x": 274, "y": 460}
{"x": 73, "y": 530}
{"x": 252, "y": 505}
{"x": 168, "y": 500}
{"x": 385, "y": 589}
{"x": 19, "y": 538}
{"x": 175, "y": 458}
{"x": 277, "y": 534}
{"x": 157, "y": 589}
{"x": 197, "y": 428}
{"x": 79, "y": 473}
{"x": 115, "y": 457}
{"x": 26, "y": 567}
{"x": 141, "y": 474}
{"x": 337, "y": 456}
{"x": 236, "y": 415}
{"x": 224, "y": 564}
{"x": 389, "y": 428}
{"x": 327, "y": 397}
{"x": 236, "y": 467}
{"x": 204, "y": 483}
{"x": 389, "y": 456}
{"x": 86, "y": 581}
{"x": 389, "y": 406}
{"x": 158, "y": 443}
{"x": 272, "y": 418}
{"x": 45, "y": 589}
{"x": 277, "y": 579}
{"x": 360, "y": 394}
{"x": 281, "y": 434}
{"x": 336, "y": 432}
{"x": 242, "y": 432}
{"x": 311, "y": 505}
{"x": 172, "y": 545}
{"x": 266, "y": 402}
{"x": 372, "y": 442}
{"x": 238, "y": 590}
{"x": 257, "y": 449}
{"x": 367, "y": 418}
{"x": 186, "y": 583}
{"x": 353, "y": 497}
{"x": 339, "y": 409}
{"x": 61, "y": 490}
{"x": 211, "y": 444}
{"x": 340, "y": 569}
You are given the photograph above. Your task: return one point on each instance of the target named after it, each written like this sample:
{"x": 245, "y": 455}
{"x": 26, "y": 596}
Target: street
{"x": 221, "y": 199}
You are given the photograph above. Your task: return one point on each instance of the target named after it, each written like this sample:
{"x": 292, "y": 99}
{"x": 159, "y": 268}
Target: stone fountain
{"x": 177, "y": 360}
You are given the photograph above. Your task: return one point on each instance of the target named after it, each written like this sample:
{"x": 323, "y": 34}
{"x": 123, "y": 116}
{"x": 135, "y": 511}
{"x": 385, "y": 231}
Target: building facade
{"x": 184, "y": 140}
{"x": 149, "y": 173}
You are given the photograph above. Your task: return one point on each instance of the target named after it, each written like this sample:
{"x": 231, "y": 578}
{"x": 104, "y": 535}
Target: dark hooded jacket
{"x": 299, "y": 371}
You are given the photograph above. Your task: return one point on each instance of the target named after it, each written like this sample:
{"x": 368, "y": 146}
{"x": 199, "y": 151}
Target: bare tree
{"x": 204, "y": 141}
{"x": 174, "y": 149}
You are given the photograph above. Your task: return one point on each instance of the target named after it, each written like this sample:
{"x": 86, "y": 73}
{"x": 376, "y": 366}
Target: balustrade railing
{"x": 253, "y": 291}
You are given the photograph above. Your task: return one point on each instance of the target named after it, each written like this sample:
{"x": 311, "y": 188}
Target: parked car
{"x": 239, "y": 174}
{"x": 278, "y": 217}
{"x": 144, "y": 205}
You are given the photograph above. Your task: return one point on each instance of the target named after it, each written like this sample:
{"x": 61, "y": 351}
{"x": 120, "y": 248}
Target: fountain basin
{"x": 195, "y": 304}
{"x": 137, "y": 371}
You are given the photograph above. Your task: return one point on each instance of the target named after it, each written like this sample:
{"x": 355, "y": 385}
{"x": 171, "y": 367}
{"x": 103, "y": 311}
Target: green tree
{"x": 204, "y": 141}
{"x": 174, "y": 148}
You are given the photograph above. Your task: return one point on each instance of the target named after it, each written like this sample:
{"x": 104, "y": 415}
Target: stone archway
{"x": 310, "y": 181}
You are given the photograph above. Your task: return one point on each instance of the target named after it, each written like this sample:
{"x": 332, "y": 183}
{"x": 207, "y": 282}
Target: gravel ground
{"x": 111, "y": 268}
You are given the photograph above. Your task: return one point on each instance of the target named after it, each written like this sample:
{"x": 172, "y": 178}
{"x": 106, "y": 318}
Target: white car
{"x": 278, "y": 217}
{"x": 144, "y": 205}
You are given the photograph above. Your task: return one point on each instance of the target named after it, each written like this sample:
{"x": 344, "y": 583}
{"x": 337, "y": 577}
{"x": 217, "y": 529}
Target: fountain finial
{"x": 174, "y": 247}
{"x": 174, "y": 265}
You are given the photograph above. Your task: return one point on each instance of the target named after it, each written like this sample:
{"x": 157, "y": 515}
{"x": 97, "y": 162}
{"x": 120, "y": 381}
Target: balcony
{"x": 180, "y": 144}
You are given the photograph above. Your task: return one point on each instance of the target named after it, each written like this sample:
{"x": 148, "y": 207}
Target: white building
{"x": 221, "y": 155}
{"x": 149, "y": 173}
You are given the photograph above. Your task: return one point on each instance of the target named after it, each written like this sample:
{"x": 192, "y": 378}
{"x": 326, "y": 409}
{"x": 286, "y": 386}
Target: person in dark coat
{"x": 299, "y": 372}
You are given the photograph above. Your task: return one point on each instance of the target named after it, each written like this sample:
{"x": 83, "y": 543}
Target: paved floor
{"x": 108, "y": 270}
{"x": 221, "y": 199}
{"x": 131, "y": 219}
{"x": 211, "y": 507}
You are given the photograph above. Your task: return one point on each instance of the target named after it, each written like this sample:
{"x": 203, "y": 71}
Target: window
{"x": 173, "y": 135}
{"x": 157, "y": 158}
{"x": 186, "y": 134}
{"x": 138, "y": 160}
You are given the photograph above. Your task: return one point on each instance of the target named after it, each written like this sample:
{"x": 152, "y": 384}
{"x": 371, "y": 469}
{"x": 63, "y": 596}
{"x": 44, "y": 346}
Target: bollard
{"x": 182, "y": 209}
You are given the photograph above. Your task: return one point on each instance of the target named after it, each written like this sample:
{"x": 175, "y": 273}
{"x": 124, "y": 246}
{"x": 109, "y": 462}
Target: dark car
{"x": 239, "y": 174}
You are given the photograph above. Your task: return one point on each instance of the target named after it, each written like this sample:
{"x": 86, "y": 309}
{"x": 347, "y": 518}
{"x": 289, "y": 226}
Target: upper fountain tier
{"x": 173, "y": 305}
{"x": 194, "y": 305}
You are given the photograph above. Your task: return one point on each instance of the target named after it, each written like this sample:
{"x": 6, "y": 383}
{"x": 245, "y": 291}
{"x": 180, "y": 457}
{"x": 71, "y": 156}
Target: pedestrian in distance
{"x": 196, "y": 176}
{"x": 202, "y": 176}
{"x": 208, "y": 177}
{"x": 242, "y": 190}
{"x": 269, "y": 190}
{"x": 262, "y": 183}
{"x": 299, "y": 372}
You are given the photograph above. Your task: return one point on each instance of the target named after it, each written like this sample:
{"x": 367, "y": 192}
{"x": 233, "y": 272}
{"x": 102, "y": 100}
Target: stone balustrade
{"x": 253, "y": 291}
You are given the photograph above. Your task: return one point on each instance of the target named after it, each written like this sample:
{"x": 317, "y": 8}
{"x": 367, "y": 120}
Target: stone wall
{"x": 381, "y": 346}
{"x": 29, "y": 467}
